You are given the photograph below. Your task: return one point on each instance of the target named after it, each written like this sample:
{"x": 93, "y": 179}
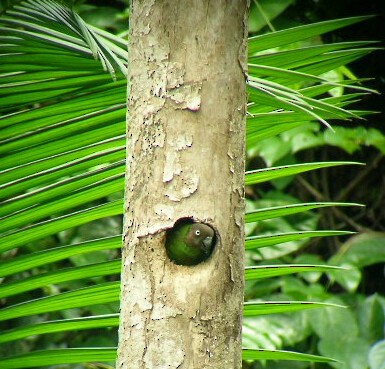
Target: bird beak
{"x": 207, "y": 241}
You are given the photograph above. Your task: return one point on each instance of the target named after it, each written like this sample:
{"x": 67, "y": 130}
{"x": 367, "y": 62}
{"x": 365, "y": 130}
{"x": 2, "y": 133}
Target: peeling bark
{"x": 185, "y": 159}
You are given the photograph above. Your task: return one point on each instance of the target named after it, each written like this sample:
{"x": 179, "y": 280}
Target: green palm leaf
{"x": 69, "y": 274}
{"x": 37, "y": 359}
{"x": 99, "y": 294}
{"x": 269, "y": 271}
{"x": 44, "y": 257}
{"x": 252, "y": 354}
{"x": 278, "y": 307}
{"x": 255, "y": 242}
{"x": 289, "y": 36}
{"x": 103, "y": 321}
{"x": 267, "y": 174}
{"x": 279, "y": 211}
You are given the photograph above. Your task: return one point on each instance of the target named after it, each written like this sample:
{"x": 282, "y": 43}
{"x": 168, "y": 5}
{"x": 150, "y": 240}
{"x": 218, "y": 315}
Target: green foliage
{"x": 358, "y": 252}
{"x": 311, "y": 135}
{"x": 262, "y": 12}
{"x": 37, "y": 359}
{"x": 358, "y": 326}
{"x": 62, "y": 168}
{"x": 376, "y": 355}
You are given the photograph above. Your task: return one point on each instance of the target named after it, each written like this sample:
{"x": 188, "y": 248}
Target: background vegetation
{"x": 349, "y": 335}
{"x": 358, "y": 330}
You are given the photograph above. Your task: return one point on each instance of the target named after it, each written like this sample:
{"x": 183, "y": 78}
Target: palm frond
{"x": 269, "y": 271}
{"x": 58, "y": 27}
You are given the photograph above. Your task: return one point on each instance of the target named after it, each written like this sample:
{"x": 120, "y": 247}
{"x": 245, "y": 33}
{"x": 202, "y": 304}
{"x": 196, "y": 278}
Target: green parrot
{"x": 190, "y": 243}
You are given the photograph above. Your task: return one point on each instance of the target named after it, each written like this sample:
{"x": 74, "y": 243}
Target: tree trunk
{"x": 185, "y": 159}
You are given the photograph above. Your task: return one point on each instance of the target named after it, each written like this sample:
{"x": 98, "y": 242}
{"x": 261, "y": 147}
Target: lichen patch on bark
{"x": 187, "y": 96}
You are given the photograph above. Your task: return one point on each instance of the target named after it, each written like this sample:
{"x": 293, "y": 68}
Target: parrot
{"x": 190, "y": 243}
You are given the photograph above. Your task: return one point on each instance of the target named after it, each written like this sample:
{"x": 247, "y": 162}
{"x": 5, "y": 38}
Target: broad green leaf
{"x": 353, "y": 353}
{"x": 329, "y": 323}
{"x": 264, "y": 11}
{"x": 359, "y": 251}
{"x": 376, "y": 355}
{"x": 371, "y": 318}
{"x": 362, "y": 250}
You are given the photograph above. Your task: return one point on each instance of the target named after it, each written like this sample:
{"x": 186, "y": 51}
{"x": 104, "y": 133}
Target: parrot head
{"x": 201, "y": 236}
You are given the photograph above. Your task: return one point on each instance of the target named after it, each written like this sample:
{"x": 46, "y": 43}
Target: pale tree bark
{"x": 185, "y": 150}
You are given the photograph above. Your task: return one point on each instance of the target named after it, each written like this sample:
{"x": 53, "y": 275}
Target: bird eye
{"x": 197, "y": 232}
